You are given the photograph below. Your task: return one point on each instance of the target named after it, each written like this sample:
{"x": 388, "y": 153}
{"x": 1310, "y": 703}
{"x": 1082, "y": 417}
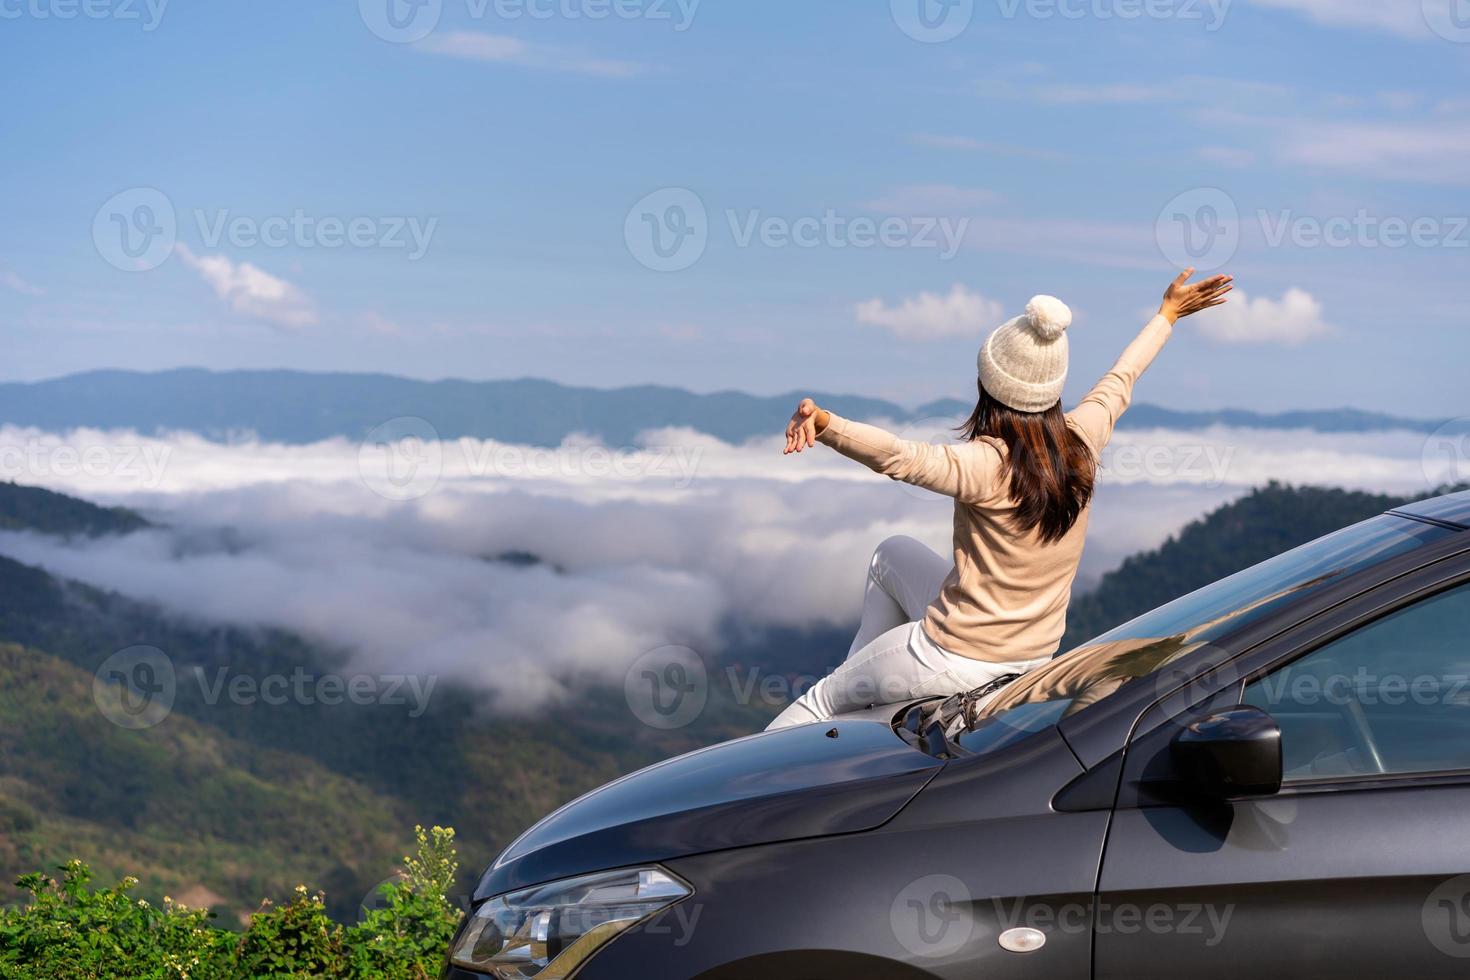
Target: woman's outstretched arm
{"x": 964, "y": 471}
{"x": 1099, "y": 411}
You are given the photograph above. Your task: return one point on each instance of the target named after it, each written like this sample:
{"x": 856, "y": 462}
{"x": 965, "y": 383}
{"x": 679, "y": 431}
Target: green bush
{"x": 69, "y": 930}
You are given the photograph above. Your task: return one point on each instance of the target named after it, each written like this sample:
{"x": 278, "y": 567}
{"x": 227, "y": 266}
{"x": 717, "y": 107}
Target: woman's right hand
{"x": 801, "y": 431}
{"x": 1182, "y": 300}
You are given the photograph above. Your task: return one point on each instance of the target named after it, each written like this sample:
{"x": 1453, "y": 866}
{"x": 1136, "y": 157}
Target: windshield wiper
{"x": 922, "y": 727}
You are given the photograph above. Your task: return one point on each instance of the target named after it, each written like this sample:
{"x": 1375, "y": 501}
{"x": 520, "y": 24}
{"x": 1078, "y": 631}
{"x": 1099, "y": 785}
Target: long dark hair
{"x": 1052, "y": 470}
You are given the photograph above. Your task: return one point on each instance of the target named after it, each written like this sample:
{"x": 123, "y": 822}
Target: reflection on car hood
{"x": 807, "y": 781}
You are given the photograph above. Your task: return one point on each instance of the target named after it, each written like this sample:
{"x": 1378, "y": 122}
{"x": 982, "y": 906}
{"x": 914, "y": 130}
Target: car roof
{"x": 1452, "y": 508}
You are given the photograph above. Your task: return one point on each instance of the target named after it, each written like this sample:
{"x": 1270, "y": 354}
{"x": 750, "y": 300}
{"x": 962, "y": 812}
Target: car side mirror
{"x": 1232, "y": 754}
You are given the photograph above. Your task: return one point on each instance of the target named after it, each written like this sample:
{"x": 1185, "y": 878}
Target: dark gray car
{"x": 1269, "y": 777}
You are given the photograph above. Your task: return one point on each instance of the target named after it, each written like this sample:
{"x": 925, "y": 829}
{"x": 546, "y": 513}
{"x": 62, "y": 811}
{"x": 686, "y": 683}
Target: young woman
{"x": 1022, "y": 486}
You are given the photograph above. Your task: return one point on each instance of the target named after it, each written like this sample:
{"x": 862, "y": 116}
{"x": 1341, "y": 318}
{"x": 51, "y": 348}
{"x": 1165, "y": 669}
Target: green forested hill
{"x": 35, "y": 509}
{"x": 1260, "y": 525}
{"x": 243, "y": 801}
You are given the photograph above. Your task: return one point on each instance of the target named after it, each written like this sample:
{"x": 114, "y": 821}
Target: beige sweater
{"x": 1006, "y": 598}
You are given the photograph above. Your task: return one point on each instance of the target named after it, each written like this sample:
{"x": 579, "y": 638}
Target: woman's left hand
{"x": 801, "y": 431}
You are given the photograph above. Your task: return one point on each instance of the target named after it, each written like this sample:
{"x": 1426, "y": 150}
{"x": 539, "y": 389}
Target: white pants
{"x": 892, "y": 659}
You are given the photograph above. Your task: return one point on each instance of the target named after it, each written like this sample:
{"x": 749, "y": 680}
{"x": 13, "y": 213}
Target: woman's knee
{"x": 892, "y": 548}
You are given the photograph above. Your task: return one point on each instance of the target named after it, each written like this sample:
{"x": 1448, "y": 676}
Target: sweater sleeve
{"x": 966, "y": 471}
{"x": 1099, "y": 412}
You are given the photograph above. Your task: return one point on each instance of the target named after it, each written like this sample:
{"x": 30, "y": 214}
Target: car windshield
{"x": 1087, "y": 674}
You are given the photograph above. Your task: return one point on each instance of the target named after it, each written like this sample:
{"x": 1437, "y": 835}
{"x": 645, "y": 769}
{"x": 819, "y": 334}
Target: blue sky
{"x": 1058, "y": 146}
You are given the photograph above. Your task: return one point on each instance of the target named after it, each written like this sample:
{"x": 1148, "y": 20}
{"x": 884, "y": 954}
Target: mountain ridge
{"x": 298, "y": 407}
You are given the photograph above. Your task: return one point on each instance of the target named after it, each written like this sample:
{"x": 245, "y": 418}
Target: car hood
{"x": 808, "y": 781}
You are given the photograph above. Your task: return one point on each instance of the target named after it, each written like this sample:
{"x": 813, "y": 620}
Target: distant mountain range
{"x": 298, "y": 407}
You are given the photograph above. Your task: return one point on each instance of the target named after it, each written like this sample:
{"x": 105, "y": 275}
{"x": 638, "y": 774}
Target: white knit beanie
{"x": 1023, "y": 364}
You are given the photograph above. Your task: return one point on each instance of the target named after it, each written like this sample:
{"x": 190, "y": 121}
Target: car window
{"x": 1087, "y": 674}
{"x": 1391, "y": 697}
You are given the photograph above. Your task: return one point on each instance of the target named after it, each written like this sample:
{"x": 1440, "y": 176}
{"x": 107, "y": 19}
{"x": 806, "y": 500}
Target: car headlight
{"x": 550, "y": 930}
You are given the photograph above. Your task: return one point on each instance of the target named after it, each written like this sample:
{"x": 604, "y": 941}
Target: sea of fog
{"x": 515, "y": 567}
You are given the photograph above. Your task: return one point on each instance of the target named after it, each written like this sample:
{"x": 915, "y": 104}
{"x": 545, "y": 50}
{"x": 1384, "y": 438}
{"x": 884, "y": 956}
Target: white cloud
{"x": 1430, "y": 152}
{"x": 1294, "y": 319}
{"x": 500, "y": 49}
{"x": 930, "y": 316}
{"x": 1404, "y": 18}
{"x": 634, "y": 558}
{"x": 1227, "y": 156}
{"x": 933, "y": 199}
{"x": 940, "y": 141}
{"x": 250, "y": 291}
{"x": 13, "y": 281}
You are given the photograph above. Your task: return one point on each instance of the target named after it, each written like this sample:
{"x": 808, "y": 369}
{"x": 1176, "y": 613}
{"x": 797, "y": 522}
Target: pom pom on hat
{"x": 1048, "y": 316}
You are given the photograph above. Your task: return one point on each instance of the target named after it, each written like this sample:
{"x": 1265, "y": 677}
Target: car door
{"x": 1360, "y": 866}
